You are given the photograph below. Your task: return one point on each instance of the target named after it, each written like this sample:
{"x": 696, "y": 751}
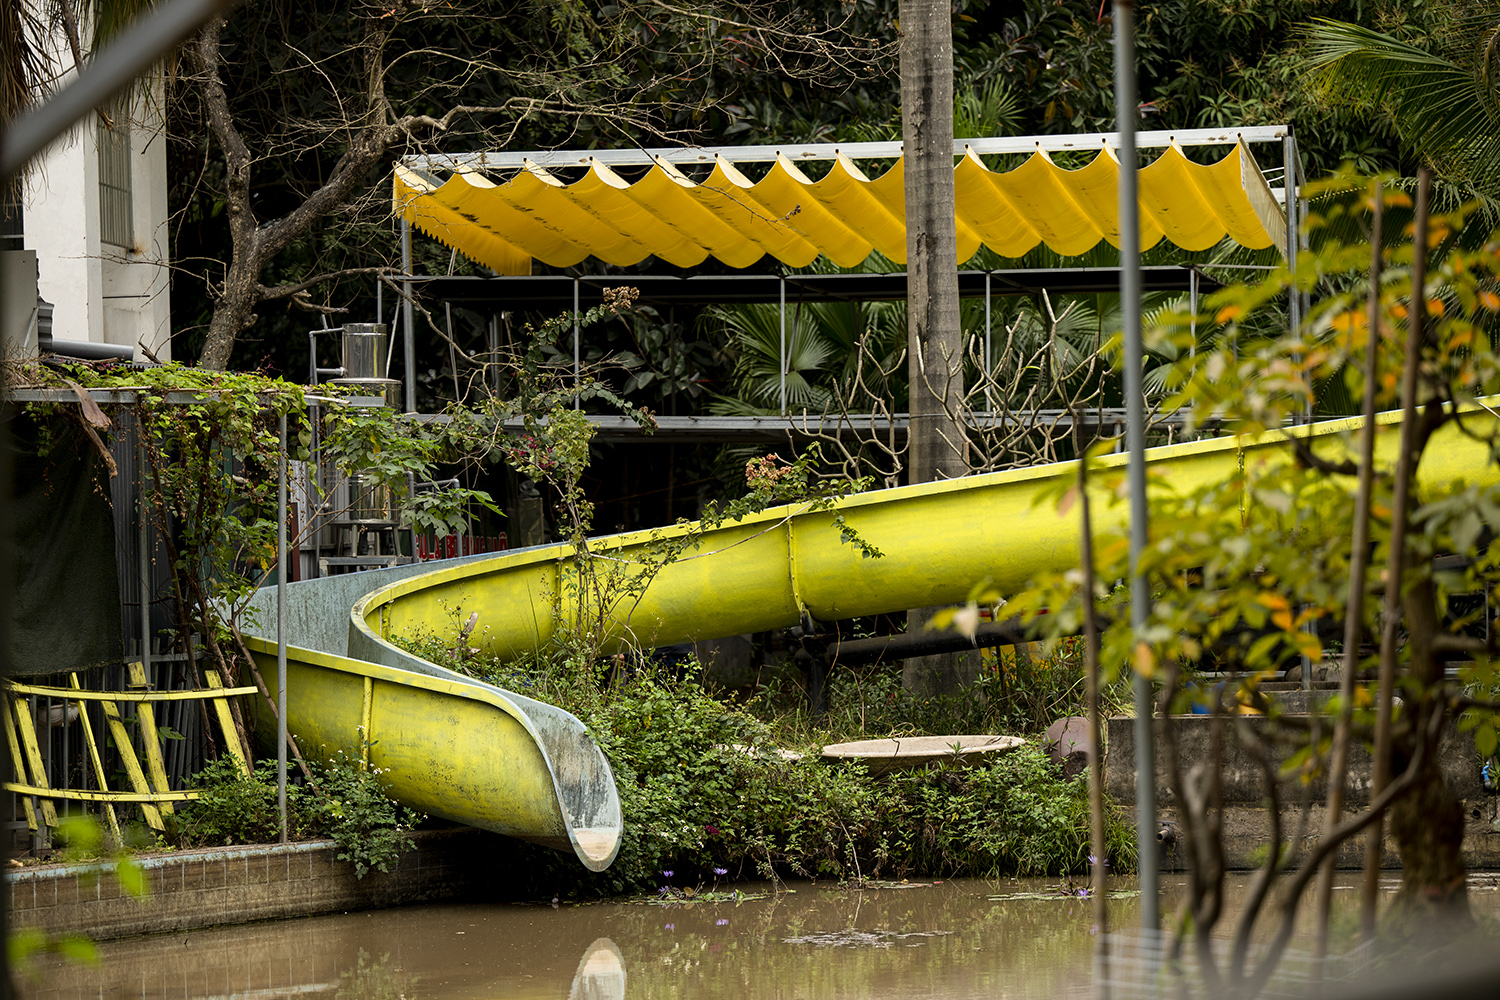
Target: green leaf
{"x": 1485, "y": 739}
{"x": 78, "y": 948}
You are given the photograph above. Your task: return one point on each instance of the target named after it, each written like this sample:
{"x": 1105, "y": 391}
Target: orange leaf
{"x": 1145, "y": 660}
{"x": 1228, "y": 313}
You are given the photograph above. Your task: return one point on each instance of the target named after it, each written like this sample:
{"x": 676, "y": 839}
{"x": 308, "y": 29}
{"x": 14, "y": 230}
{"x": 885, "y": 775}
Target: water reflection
{"x": 950, "y": 940}
{"x": 601, "y": 973}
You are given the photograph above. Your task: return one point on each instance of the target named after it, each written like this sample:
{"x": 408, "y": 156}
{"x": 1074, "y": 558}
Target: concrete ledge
{"x": 232, "y": 885}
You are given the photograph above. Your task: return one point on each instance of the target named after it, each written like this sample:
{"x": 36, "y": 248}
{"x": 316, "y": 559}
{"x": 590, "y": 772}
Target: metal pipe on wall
{"x": 1135, "y": 434}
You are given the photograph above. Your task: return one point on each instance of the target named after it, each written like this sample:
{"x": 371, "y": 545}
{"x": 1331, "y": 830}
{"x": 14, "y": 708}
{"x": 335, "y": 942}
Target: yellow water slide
{"x": 491, "y": 758}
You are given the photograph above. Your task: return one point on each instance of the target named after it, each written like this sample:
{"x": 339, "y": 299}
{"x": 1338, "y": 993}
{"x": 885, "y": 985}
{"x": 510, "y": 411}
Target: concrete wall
{"x": 1245, "y": 792}
{"x": 230, "y": 885}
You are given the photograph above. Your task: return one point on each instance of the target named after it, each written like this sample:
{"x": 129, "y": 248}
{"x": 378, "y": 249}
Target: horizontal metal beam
{"x": 555, "y": 291}
{"x": 89, "y": 795}
{"x": 799, "y": 152}
{"x": 904, "y": 644}
{"x": 75, "y": 694}
{"x": 619, "y": 428}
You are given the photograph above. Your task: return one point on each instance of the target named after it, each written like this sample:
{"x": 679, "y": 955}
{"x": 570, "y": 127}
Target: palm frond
{"x": 1447, "y": 112}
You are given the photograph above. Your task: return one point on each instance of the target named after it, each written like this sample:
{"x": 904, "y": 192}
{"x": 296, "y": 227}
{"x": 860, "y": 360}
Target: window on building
{"x": 115, "y": 209}
{"x": 12, "y": 228}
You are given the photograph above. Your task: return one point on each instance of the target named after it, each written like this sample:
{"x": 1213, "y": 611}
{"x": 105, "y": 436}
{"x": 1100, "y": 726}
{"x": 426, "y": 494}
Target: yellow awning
{"x": 844, "y": 216}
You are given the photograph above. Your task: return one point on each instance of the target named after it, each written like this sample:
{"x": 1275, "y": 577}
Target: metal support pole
{"x": 577, "y": 353}
{"x": 781, "y": 351}
{"x": 989, "y": 380}
{"x": 452, "y": 353}
{"x": 1289, "y": 189}
{"x": 281, "y": 634}
{"x": 1135, "y": 436}
{"x": 1193, "y": 311}
{"x": 145, "y": 41}
{"x": 143, "y": 541}
{"x": 408, "y": 324}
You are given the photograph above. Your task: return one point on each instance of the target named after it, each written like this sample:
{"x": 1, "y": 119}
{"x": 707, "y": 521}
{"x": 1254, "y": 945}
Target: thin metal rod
{"x": 499, "y": 159}
{"x": 577, "y": 350}
{"x": 132, "y": 54}
{"x": 989, "y": 363}
{"x": 1293, "y": 299}
{"x": 781, "y": 350}
{"x": 143, "y": 541}
{"x": 1135, "y": 439}
{"x": 281, "y": 555}
{"x": 408, "y": 325}
{"x": 1193, "y": 311}
{"x": 452, "y": 354}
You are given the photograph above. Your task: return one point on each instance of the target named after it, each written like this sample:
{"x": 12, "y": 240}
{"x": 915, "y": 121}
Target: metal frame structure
{"x": 1124, "y": 143}
{"x": 801, "y": 152}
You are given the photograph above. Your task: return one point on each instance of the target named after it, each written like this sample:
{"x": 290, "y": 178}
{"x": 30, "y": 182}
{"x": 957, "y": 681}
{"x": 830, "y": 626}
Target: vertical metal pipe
{"x": 781, "y": 351}
{"x": 1193, "y": 310}
{"x": 281, "y": 634}
{"x": 143, "y": 544}
{"x": 989, "y": 402}
{"x": 577, "y": 353}
{"x": 1135, "y": 439}
{"x": 1289, "y": 189}
{"x": 452, "y": 353}
{"x": 406, "y": 316}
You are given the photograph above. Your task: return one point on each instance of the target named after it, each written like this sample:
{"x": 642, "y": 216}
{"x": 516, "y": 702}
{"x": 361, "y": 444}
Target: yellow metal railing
{"x": 149, "y": 785}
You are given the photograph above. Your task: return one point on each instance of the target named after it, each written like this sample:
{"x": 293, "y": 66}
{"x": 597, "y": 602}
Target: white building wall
{"x": 135, "y": 281}
{"x": 103, "y": 293}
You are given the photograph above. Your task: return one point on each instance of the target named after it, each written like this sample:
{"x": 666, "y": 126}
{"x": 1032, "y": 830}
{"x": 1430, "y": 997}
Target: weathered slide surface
{"x": 491, "y": 758}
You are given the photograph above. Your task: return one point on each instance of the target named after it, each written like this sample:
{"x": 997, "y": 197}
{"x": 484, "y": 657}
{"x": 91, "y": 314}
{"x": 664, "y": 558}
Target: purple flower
{"x": 720, "y": 923}
{"x": 721, "y": 871}
{"x": 662, "y": 891}
{"x": 668, "y": 873}
{"x": 670, "y": 927}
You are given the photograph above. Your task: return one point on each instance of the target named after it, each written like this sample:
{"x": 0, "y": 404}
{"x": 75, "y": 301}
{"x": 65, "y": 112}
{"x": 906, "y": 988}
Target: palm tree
{"x": 1442, "y": 97}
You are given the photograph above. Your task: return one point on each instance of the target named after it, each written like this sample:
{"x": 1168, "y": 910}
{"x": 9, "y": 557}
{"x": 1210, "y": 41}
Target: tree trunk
{"x": 1428, "y": 824}
{"x": 934, "y": 338}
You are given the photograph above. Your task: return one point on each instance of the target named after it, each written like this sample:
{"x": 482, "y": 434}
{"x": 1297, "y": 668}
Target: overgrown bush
{"x": 342, "y": 802}
{"x": 704, "y": 786}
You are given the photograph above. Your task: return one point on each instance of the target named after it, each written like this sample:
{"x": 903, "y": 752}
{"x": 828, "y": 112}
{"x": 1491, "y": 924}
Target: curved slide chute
{"x": 480, "y": 755}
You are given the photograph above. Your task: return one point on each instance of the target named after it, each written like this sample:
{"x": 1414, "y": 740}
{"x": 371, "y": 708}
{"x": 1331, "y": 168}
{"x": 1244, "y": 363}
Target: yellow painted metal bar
{"x": 72, "y": 694}
{"x": 16, "y": 762}
{"x": 226, "y": 720}
{"x": 150, "y": 737}
{"x": 26, "y": 729}
{"x": 132, "y": 764}
{"x": 89, "y": 795}
{"x": 96, "y": 760}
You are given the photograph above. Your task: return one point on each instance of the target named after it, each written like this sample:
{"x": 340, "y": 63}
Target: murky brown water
{"x": 951, "y": 940}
